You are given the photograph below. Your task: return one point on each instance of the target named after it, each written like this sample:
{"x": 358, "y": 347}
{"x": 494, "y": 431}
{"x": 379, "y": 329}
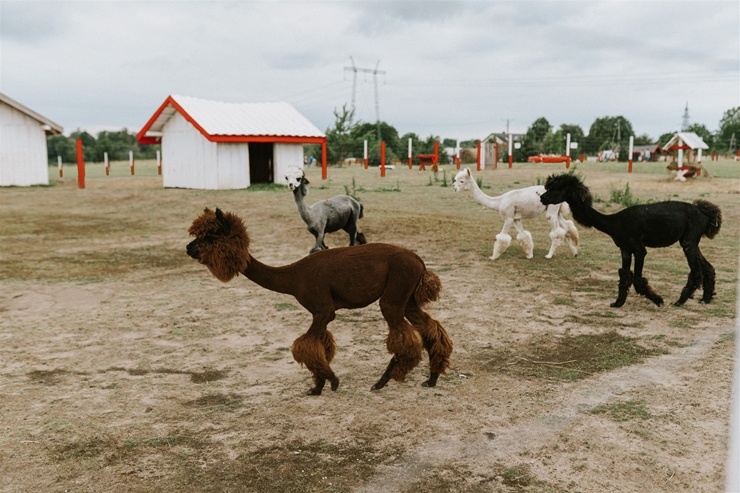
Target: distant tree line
{"x": 345, "y": 139}
{"x": 116, "y": 144}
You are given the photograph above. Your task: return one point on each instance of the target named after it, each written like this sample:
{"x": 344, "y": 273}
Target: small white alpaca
{"x": 522, "y": 203}
{"x": 325, "y": 216}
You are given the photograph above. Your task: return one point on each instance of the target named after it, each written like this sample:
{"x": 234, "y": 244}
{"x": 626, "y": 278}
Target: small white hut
{"x": 685, "y": 141}
{"x": 217, "y": 146}
{"x": 23, "y": 154}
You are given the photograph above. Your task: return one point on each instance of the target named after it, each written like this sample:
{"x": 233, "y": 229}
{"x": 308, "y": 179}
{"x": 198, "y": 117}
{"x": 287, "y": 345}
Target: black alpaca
{"x": 651, "y": 225}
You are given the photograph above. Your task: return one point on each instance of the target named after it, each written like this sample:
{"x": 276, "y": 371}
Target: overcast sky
{"x": 451, "y": 69}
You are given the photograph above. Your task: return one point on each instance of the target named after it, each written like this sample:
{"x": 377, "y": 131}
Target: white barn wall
{"x": 233, "y": 166}
{"x": 23, "y": 155}
{"x": 285, "y": 156}
{"x": 186, "y": 155}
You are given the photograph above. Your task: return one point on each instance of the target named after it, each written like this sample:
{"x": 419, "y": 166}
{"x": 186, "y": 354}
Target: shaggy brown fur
{"x": 328, "y": 280}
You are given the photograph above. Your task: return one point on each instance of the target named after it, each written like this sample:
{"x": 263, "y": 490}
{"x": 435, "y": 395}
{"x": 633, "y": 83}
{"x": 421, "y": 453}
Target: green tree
{"x": 729, "y": 126}
{"x": 88, "y": 144}
{"x": 339, "y": 137}
{"x": 643, "y": 140}
{"x": 554, "y": 143}
{"x": 664, "y": 138}
{"x": 534, "y": 138}
{"x": 576, "y": 135}
{"x": 609, "y": 132}
{"x": 59, "y": 145}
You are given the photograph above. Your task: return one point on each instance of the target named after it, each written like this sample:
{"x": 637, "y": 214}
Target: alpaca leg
{"x": 436, "y": 341}
{"x": 708, "y": 279}
{"x": 557, "y": 232}
{"x": 406, "y": 346}
{"x": 403, "y": 341}
{"x": 503, "y": 239}
{"x": 556, "y": 239}
{"x": 524, "y": 238}
{"x": 319, "y": 235}
{"x": 355, "y": 237}
{"x": 625, "y": 281}
{"x": 694, "y": 258}
{"x": 642, "y": 287}
{"x": 351, "y": 229}
{"x": 502, "y": 242}
{"x": 315, "y": 349}
{"x": 571, "y": 235}
{"x": 641, "y": 284}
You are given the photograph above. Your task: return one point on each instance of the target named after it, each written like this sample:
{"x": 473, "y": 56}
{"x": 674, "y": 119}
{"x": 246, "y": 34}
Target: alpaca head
{"x": 221, "y": 243}
{"x": 462, "y": 181}
{"x": 295, "y": 178}
{"x": 566, "y": 187}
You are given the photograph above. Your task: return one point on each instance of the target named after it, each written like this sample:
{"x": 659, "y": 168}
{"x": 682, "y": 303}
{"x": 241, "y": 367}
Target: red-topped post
{"x": 80, "y": 165}
{"x": 382, "y": 158}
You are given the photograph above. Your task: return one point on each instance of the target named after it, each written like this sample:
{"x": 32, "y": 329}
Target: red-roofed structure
{"x": 217, "y": 145}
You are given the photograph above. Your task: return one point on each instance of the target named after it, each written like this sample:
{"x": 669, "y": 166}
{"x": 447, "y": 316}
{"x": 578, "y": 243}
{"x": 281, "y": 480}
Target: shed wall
{"x": 286, "y": 155}
{"x": 186, "y": 155}
{"x": 233, "y": 166}
{"x": 23, "y": 155}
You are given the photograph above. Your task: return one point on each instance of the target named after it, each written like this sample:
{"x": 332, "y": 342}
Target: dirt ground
{"x": 126, "y": 367}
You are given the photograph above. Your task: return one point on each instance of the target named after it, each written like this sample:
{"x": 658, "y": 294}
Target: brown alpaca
{"x": 328, "y": 280}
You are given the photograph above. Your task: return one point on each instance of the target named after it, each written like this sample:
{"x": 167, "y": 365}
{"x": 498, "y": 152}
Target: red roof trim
{"x": 282, "y": 139}
{"x": 141, "y": 136}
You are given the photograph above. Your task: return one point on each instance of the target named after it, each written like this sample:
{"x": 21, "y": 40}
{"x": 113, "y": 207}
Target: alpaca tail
{"x": 713, "y": 213}
{"x": 362, "y": 211}
{"x": 428, "y": 289}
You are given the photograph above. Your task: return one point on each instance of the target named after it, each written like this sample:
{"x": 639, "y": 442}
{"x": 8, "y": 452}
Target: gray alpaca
{"x": 325, "y": 216}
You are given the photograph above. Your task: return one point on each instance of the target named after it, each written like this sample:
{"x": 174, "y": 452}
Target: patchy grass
{"x": 624, "y": 411}
{"x": 571, "y": 357}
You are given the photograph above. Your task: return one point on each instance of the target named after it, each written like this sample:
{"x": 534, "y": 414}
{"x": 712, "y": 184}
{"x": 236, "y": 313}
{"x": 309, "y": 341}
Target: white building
{"x": 215, "y": 145}
{"x": 685, "y": 141}
{"x": 23, "y": 155}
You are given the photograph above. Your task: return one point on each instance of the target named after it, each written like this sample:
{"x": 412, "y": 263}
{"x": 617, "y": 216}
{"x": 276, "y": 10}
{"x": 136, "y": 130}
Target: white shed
{"x": 23, "y": 155}
{"x": 685, "y": 141}
{"x": 217, "y": 146}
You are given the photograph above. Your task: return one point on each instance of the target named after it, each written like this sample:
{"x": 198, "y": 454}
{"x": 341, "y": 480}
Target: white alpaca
{"x": 325, "y": 216}
{"x": 522, "y": 203}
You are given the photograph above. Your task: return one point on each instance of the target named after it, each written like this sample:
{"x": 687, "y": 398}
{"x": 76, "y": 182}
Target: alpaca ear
{"x": 219, "y": 215}
{"x": 304, "y": 180}
{"x": 467, "y": 170}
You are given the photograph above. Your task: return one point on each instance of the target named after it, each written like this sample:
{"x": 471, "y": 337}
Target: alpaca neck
{"x": 278, "y": 279}
{"x": 590, "y": 217}
{"x": 482, "y": 198}
{"x": 300, "y": 200}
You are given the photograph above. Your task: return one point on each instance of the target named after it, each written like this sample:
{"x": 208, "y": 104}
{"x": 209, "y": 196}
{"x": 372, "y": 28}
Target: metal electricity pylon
{"x": 355, "y": 69}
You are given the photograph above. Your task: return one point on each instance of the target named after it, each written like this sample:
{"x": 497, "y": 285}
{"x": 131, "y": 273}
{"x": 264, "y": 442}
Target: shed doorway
{"x": 260, "y": 162}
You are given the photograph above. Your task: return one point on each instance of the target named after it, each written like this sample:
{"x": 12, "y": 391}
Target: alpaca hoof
{"x": 617, "y": 304}
{"x": 314, "y": 391}
{"x": 335, "y": 385}
{"x": 432, "y": 382}
{"x": 377, "y": 386}
{"x": 658, "y": 301}
{"x": 548, "y": 256}
{"x": 678, "y": 303}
